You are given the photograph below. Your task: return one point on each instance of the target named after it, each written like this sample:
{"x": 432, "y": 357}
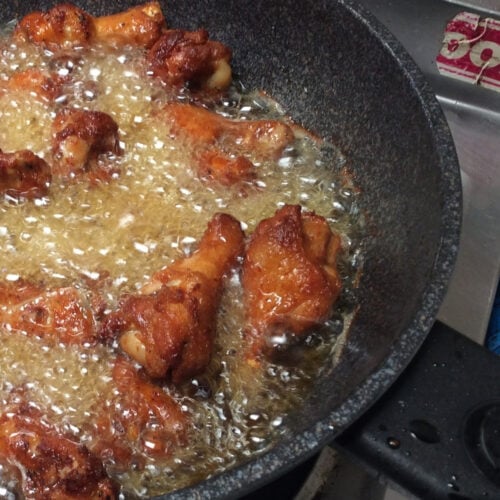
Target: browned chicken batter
{"x": 157, "y": 241}
{"x": 289, "y": 276}
{"x": 182, "y": 58}
{"x": 170, "y": 327}
{"x": 54, "y": 466}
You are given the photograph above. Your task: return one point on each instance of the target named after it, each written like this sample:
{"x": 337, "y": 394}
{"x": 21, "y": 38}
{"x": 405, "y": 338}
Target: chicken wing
{"x": 141, "y": 421}
{"x": 67, "y": 26}
{"x": 24, "y": 175}
{"x": 169, "y": 327}
{"x": 189, "y": 59}
{"x": 62, "y": 314}
{"x": 50, "y": 465}
{"x": 63, "y": 26}
{"x": 80, "y": 139}
{"x": 289, "y": 277}
{"x": 222, "y": 147}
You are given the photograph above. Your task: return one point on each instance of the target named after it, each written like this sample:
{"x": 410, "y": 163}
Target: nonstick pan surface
{"x": 340, "y": 74}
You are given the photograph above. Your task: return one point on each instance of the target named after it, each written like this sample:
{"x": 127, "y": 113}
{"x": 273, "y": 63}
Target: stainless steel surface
{"x": 468, "y": 304}
{"x": 492, "y": 6}
{"x": 474, "y": 117}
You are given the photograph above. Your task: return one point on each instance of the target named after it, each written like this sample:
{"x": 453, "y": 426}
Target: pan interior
{"x": 344, "y": 78}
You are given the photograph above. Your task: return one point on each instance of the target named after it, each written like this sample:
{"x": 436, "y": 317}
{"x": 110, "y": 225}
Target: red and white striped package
{"x": 471, "y": 50}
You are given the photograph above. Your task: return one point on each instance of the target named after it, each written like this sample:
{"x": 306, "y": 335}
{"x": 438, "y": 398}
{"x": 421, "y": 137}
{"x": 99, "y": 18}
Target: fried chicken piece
{"x": 62, "y": 314}
{"x": 290, "y": 279}
{"x": 216, "y": 166}
{"x": 141, "y": 421}
{"x": 47, "y": 87}
{"x": 189, "y": 59}
{"x": 63, "y": 26}
{"x": 139, "y": 26}
{"x": 50, "y": 465}
{"x": 24, "y": 175}
{"x": 260, "y": 139}
{"x": 80, "y": 139}
{"x": 169, "y": 327}
{"x": 67, "y": 26}
{"x": 222, "y": 146}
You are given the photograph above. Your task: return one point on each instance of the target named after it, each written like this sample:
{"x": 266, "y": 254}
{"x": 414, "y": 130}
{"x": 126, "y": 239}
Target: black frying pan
{"x": 340, "y": 74}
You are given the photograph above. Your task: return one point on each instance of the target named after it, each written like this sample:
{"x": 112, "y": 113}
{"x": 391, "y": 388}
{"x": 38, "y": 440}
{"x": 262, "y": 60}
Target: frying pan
{"x": 342, "y": 75}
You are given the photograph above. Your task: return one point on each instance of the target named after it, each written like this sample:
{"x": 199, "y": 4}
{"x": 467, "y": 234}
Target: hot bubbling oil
{"x": 152, "y": 213}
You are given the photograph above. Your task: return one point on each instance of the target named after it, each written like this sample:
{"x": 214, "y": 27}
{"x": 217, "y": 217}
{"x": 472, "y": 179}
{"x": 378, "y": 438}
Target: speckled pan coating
{"x": 344, "y": 76}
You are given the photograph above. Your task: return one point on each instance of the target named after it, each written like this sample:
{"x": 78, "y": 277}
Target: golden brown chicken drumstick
{"x": 290, "y": 279}
{"x": 141, "y": 420}
{"x": 221, "y": 143}
{"x": 50, "y": 465}
{"x": 262, "y": 139}
{"x": 67, "y": 26}
{"x": 23, "y": 175}
{"x": 64, "y": 25}
{"x": 169, "y": 327}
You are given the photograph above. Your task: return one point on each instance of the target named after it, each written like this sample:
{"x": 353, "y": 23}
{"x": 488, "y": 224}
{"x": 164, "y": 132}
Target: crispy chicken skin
{"x": 190, "y": 59}
{"x": 289, "y": 276}
{"x": 79, "y": 139}
{"x": 50, "y": 465}
{"x": 61, "y": 314}
{"x": 67, "y": 26}
{"x": 24, "y": 175}
{"x": 141, "y": 421}
{"x": 169, "y": 327}
{"x": 222, "y": 146}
